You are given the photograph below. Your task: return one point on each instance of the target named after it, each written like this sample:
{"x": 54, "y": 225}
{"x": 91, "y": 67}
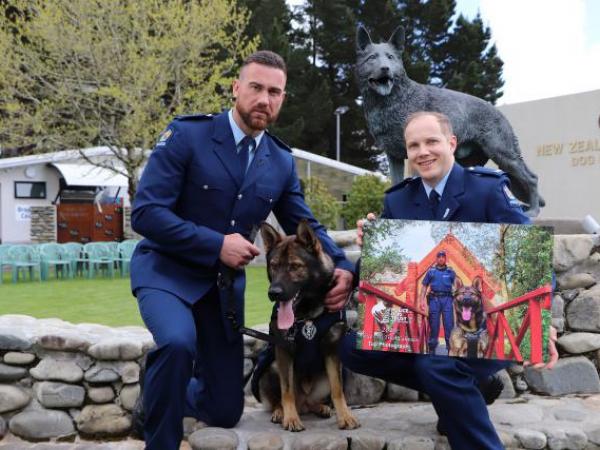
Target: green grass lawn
{"x": 107, "y": 301}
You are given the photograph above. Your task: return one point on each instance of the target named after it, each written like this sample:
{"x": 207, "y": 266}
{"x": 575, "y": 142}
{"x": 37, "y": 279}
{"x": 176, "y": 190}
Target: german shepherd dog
{"x": 300, "y": 275}
{"x": 469, "y": 337}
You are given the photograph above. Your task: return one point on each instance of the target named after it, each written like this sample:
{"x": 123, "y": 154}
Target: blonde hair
{"x": 442, "y": 119}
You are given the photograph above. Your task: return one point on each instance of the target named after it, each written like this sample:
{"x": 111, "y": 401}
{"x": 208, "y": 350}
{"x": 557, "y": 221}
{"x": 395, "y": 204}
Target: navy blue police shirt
{"x": 440, "y": 279}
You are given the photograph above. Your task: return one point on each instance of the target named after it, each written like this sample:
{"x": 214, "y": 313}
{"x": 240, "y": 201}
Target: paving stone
{"x": 3, "y": 427}
{"x": 11, "y": 373}
{"x": 367, "y": 440}
{"x": 51, "y": 369}
{"x": 103, "y": 420}
{"x": 576, "y": 280}
{"x": 103, "y": 394}
{"x": 116, "y": 349}
{"x": 59, "y": 395}
{"x": 507, "y": 414}
{"x": 212, "y": 438}
{"x": 362, "y": 390}
{"x": 12, "y": 398}
{"x": 265, "y": 441}
{"x": 46, "y": 424}
{"x": 566, "y": 439}
{"x": 319, "y": 441}
{"x": 531, "y": 439}
{"x": 569, "y": 376}
{"x": 509, "y": 390}
{"x": 412, "y": 443}
{"x": 19, "y": 358}
{"x": 572, "y": 415}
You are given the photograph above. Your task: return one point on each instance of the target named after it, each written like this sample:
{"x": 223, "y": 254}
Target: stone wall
{"x": 59, "y": 381}
{"x": 43, "y": 224}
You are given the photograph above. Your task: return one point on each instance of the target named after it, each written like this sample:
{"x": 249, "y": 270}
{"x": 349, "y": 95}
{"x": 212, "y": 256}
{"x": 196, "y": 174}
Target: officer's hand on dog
{"x": 359, "y": 228}
{"x": 338, "y": 294}
{"x": 236, "y": 251}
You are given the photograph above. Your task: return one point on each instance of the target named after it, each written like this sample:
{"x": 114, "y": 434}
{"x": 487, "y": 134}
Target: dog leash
{"x": 225, "y": 281}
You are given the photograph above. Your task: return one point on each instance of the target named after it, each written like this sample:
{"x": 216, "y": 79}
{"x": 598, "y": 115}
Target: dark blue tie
{"x": 434, "y": 201}
{"x": 246, "y": 146}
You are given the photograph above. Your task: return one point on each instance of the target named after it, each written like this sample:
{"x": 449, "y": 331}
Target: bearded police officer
{"x": 208, "y": 182}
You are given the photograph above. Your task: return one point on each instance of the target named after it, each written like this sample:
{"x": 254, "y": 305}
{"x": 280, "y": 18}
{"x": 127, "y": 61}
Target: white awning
{"x": 89, "y": 175}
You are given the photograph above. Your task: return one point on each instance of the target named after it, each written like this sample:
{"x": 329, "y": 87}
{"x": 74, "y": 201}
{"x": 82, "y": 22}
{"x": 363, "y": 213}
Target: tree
{"x": 323, "y": 205}
{"x": 113, "y": 73}
{"x": 366, "y": 195}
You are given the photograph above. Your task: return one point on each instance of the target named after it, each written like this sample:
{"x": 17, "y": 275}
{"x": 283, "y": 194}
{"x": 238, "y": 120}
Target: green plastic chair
{"x": 24, "y": 258}
{"x": 54, "y": 255}
{"x": 75, "y": 254}
{"x": 99, "y": 257}
{"x": 126, "y": 249}
{"x": 3, "y": 259}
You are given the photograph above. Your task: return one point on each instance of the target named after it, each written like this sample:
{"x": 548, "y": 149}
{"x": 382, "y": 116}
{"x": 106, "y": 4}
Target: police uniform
{"x": 192, "y": 193}
{"x": 439, "y": 279}
{"x": 470, "y": 195}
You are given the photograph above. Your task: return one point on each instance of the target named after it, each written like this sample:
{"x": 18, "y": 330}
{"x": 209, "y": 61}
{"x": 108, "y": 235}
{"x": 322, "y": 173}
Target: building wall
{"x": 15, "y": 226}
{"x": 560, "y": 142}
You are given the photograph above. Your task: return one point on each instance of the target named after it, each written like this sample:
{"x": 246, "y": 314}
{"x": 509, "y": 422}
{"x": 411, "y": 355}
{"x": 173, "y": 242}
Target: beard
{"x": 254, "y": 120}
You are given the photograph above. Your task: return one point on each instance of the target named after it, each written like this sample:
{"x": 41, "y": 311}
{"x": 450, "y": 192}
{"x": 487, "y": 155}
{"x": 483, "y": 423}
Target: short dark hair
{"x": 442, "y": 119}
{"x": 266, "y": 58}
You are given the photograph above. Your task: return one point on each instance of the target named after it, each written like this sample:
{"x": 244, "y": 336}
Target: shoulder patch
{"x": 485, "y": 171}
{"x": 164, "y": 137}
{"x": 403, "y": 183}
{"x": 279, "y": 142}
{"x": 194, "y": 117}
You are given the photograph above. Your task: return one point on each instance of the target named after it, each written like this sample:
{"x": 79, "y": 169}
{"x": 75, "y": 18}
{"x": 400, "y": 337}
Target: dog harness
{"x": 306, "y": 336}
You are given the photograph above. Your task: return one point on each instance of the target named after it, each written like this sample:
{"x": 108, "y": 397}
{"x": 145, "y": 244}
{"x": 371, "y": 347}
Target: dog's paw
{"x": 277, "y": 415}
{"x": 292, "y": 424}
{"x": 347, "y": 421}
{"x": 322, "y": 411}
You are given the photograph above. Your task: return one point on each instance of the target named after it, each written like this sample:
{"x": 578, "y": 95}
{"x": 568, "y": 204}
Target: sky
{"x": 549, "y": 47}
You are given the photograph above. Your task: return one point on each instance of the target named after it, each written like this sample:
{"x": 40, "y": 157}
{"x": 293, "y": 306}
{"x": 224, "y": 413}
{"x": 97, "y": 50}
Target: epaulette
{"x": 485, "y": 171}
{"x": 194, "y": 117}
{"x": 402, "y": 184}
{"x": 279, "y": 142}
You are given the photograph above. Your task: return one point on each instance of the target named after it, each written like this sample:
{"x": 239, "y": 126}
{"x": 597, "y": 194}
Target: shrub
{"x": 365, "y": 196}
{"x": 323, "y": 205}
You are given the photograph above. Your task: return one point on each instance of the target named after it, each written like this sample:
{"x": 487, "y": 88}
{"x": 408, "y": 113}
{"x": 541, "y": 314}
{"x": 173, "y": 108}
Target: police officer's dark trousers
{"x": 440, "y": 307}
{"x": 451, "y": 384}
{"x": 194, "y": 371}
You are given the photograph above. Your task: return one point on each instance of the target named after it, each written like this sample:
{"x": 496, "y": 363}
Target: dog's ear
{"x": 397, "y": 39}
{"x": 270, "y": 236}
{"x": 362, "y": 38}
{"x": 477, "y": 283}
{"x": 307, "y": 238}
{"x": 458, "y": 284}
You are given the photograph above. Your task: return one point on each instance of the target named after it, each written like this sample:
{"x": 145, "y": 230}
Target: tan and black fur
{"x": 300, "y": 271}
{"x": 469, "y": 337}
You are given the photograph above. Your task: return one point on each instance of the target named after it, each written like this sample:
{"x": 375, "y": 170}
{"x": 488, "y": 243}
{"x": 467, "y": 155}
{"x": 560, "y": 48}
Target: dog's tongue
{"x": 285, "y": 315}
{"x": 466, "y": 313}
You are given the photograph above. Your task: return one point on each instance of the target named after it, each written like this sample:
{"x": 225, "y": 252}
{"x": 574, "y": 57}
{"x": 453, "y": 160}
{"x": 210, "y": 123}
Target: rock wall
{"x": 59, "y": 380}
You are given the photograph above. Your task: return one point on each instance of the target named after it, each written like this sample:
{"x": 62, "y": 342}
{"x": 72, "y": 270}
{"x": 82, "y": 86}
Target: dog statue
{"x": 469, "y": 337}
{"x": 389, "y": 97}
{"x": 299, "y": 377}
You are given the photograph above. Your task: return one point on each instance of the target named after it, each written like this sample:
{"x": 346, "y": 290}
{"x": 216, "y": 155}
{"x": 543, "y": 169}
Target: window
{"x": 30, "y": 189}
